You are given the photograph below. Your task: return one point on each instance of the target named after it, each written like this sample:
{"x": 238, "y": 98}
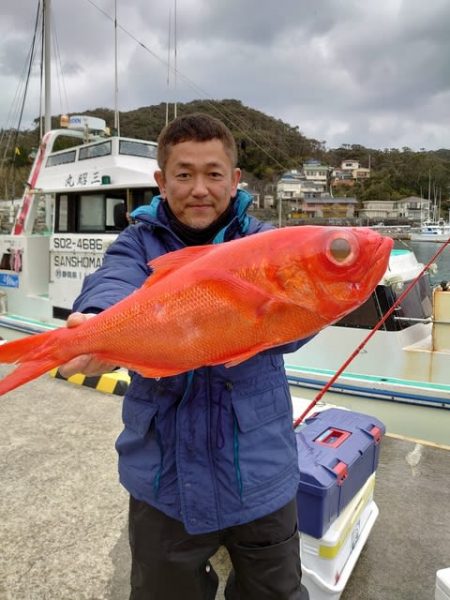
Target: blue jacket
{"x": 214, "y": 447}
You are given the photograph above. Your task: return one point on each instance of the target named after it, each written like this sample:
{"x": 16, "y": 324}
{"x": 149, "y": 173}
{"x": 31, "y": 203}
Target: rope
{"x": 369, "y": 336}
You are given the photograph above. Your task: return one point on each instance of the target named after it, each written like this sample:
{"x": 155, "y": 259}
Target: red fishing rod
{"x": 367, "y": 338}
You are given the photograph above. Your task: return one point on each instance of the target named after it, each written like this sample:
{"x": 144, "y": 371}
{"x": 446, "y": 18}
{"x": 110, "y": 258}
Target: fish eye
{"x": 340, "y": 249}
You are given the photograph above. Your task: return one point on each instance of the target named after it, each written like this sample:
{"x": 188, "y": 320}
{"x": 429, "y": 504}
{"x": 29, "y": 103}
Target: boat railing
{"x": 414, "y": 319}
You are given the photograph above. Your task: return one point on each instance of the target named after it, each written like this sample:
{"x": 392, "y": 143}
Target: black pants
{"x": 170, "y": 564}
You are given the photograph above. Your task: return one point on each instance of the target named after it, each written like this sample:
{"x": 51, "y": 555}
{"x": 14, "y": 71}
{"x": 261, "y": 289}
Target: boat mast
{"x": 169, "y": 41}
{"x": 169, "y": 48}
{"x": 116, "y": 78}
{"x": 47, "y": 70}
{"x": 175, "y": 58}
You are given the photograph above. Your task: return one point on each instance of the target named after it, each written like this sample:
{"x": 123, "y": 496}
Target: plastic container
{"x": 318, "y": 588}
{"x": 327, "y": 556}
{"x": 338, "y": 451}
{"x": 442, "y": 585}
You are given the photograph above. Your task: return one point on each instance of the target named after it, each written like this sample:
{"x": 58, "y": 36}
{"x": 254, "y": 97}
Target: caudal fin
{"x": 24, "y": 373}
{"x": 34, "y": 354}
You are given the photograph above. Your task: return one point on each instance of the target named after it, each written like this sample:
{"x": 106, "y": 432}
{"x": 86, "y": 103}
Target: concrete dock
{"x": 63, "y": 525}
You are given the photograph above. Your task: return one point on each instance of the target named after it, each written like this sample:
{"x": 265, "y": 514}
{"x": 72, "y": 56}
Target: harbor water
{"x": 424, "y": 251}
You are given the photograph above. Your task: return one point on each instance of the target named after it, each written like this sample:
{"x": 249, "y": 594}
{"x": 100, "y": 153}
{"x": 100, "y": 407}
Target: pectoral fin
{"x": 245, "y": 297}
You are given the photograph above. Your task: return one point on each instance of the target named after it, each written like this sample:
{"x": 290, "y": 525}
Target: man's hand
{"x": 86, "y": 364}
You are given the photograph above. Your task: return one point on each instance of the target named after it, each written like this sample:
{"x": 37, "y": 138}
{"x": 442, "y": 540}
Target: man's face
{"x": 198, "y": 182}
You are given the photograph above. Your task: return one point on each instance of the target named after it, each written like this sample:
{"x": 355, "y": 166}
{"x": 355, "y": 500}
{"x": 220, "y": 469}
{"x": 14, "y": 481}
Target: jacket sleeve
{"x": 124, "y": 269}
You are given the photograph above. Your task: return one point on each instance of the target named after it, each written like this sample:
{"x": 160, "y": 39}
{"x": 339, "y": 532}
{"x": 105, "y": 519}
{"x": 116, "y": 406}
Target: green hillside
{"x": 268, "y": 147}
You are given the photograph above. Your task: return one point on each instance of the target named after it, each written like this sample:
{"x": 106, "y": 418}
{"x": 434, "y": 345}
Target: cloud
{"x": 343, "y": 71}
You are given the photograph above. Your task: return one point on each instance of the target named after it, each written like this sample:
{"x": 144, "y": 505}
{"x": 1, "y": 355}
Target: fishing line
{"x": 368, "y": 337}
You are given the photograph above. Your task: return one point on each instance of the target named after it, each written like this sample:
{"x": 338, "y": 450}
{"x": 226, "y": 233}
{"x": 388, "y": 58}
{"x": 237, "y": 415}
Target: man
{"x": 209, "y": 457}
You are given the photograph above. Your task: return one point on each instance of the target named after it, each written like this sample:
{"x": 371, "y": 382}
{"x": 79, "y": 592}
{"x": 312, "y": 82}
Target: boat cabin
{"x": 82, "y": 187}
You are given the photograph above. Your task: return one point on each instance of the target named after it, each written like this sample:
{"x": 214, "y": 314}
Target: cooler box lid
{"x": 330, "y": 443}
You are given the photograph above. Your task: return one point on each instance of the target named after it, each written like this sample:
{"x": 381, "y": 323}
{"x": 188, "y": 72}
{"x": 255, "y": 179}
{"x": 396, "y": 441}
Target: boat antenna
{"x": 47, "y": 68}
{"x": 175, "y": 58}
{"x": 169, "y": 41}
{"x": 169, "y": 49}
{"x": 368, "y": 337}
{"x": 116, "y": 78}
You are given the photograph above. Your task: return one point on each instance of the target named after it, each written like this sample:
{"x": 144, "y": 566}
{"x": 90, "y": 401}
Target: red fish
{"x": 219, "y": 304}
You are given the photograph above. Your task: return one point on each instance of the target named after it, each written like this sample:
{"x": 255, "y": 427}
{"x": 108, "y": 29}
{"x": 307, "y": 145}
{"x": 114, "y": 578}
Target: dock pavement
{"x": 63, "y": 514}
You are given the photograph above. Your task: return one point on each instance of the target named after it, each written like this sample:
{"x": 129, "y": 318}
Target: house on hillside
{"x": 289, "y": 186}
{"x": 325, "y": 207}
{"x": 412, "y": 208}
{"x": 310, "y": 182}
{"x": 349, "y": 172}
{"x": 379, "y": 209}
{"x": 313, "y": 170}
{"x": 415, "y": 208}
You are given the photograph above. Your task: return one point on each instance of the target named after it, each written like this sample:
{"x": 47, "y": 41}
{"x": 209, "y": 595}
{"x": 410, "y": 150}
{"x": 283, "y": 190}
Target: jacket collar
{"x": 154, "y": 214}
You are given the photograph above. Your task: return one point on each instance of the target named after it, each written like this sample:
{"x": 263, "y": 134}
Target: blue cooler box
{"x": 338, "y": 450}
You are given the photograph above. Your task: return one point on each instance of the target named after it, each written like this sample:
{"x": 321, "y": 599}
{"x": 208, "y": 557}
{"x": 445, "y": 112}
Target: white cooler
{"x": 442, "y": 585}
{"x": 328, "y": 562}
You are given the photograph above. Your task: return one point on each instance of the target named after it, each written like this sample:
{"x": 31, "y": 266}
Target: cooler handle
{"x": 376, "y": 433}
{"x": 341, "y": 472}
{"x": 332, "y": 437}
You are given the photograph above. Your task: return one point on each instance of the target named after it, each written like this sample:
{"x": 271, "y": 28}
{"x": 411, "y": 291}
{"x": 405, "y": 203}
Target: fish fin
{"x": 240, "y": 358}
{"x": 25, "y": 348}
{"x": 25, "y": 372}
{"x": 145, "y": 370}
{"x": 249, "y": 298}
{"x": 155, "y": 373}
{"x": 34, "y": 355}
{"x": 166, "y": 263}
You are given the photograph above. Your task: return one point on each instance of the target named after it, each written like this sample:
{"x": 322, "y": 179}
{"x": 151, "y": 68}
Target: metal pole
{"x": 116, "y": 78}
{"x": 175, "y": 108}
{"x": 47, "y": 65}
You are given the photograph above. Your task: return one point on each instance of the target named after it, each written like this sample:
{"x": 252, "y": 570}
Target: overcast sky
{"x": 375, "y": 73}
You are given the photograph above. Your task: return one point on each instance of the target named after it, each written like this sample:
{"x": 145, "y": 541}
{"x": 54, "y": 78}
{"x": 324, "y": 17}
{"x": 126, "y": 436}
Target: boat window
{"x": 95, "y": 150}
{"x": 63, "y": 214}
{"x": 133, "y": 148}
{"x": 141, "y": 196}
{"x": 417, "y": 304}
{"x": 44, "y": 215}
{"x": 116, "y": 214}
{"x": 91, "y": 214}
{"x": 365, "y": 316}
{"x": 61, "y": 159}
{"x": 64, "y": 142}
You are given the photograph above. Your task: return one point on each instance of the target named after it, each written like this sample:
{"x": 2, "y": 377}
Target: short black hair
{"x": 197, "y": 127}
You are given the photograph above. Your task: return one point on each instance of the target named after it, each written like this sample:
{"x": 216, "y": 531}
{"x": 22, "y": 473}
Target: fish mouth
{"x": 382, "y": 253}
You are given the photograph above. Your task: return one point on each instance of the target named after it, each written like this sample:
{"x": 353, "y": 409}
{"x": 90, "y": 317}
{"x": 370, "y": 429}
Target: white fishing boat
{"x": 75, "y": 204}
{"x": 407, "y": 359}
{"x": 432, "y": 231}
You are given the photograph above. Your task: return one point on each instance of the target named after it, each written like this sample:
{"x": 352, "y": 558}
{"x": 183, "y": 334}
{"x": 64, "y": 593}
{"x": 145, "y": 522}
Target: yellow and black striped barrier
{"x": 109, "y": 383}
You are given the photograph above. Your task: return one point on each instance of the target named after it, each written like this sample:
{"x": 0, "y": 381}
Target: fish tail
{"x": 34, "y": 354}
{"x": 24, "y": 373}
{"x": 31, "y": 346}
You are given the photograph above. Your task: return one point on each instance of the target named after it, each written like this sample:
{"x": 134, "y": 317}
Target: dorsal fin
{"x": 165, "y": 264}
